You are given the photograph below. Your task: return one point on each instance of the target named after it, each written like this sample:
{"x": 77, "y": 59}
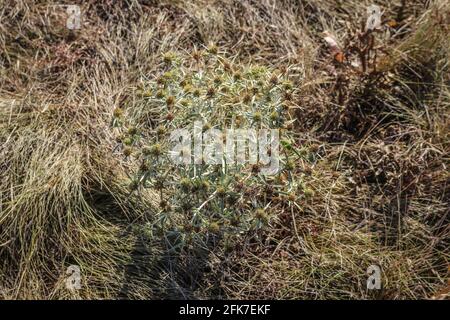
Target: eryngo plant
{"x": 200, "y": 199}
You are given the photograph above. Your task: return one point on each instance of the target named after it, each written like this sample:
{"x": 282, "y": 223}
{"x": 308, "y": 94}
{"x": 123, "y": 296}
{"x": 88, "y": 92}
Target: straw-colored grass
{"x": 374, "y": 151}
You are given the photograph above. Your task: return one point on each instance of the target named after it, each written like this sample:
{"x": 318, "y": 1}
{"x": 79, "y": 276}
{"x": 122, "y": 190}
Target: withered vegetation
{"x": 367, "y": 116}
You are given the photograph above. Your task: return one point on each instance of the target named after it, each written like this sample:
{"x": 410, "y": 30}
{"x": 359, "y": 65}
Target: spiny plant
{"x": 203, "y": 201}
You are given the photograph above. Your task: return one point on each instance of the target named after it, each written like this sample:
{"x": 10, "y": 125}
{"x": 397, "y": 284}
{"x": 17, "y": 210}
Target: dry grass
{"x": 374, "y": 145}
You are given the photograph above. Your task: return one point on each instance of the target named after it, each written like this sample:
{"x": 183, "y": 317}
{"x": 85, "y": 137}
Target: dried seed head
{"x": 185, "y": 184}
{"x": 183, "y": 83}
{"x": 217, "y": 80}
{"x": 155, "y": 149}
{"x": 287, "y": 85}
{"x": 206, "y": 126}
{"x": 118, "y": 112}
{"x": 132, "y": 131}
{"x": 288, "y": 96}
{"x": 289, "y": 165}
{"x": 187, "y": 88}
{"x": 268, "y": 190}
{"x": 184, "y": 102}
{"x": 247, "y": 98}
{"x": 238, "y": 121}
{"x": 160, "y": 94}
{"x": 273, "y": 79}
{"x": 286, "y": 105}
{"x": 280, "y": 180}
{"x": 257, "y": 116}
{"x": 314, "y": 147}
{"x": 159, "y": 184}
{"x": 165, "y": 205}
{"x": 211, "y": 92}
{"x": 161, "y": 130}
{"x": 127, "y": 151}
{"x": 204, "y": 186}
{"x": 170, "y": 116}
{"x": 161, "y": 81}
{"x": 221, "y": 192}
{"x": 239, "y": 185}
{"x": 256, "y": 168}
{"x": 212, "y": 49}
{"x": 170, "y": 101}
{"x": 144, "y": 166}
{"x": 147, "y": 93}
{"x": 197, "y": 55}
{"x": 214, "y": 227}
{"x": 274, "y": 116}
{"x": 308, "y": 192}
{"x": 169, "y": 75}
{"x": 261, "y": 214}
{"x": 169, "y": 57}
{"x": 227, "y": 65}
{"x": 292, "y": 197}
{"x": 127, "y": 141}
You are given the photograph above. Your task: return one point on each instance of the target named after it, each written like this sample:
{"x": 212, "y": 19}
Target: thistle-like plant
{"x": 202, "y": 200}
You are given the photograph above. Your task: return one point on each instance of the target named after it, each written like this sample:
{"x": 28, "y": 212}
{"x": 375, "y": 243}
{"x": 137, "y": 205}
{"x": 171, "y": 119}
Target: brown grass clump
{"x": 368, "y": 146}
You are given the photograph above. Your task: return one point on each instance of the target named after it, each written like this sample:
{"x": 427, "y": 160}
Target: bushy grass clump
{"x": 225, "y": 201}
